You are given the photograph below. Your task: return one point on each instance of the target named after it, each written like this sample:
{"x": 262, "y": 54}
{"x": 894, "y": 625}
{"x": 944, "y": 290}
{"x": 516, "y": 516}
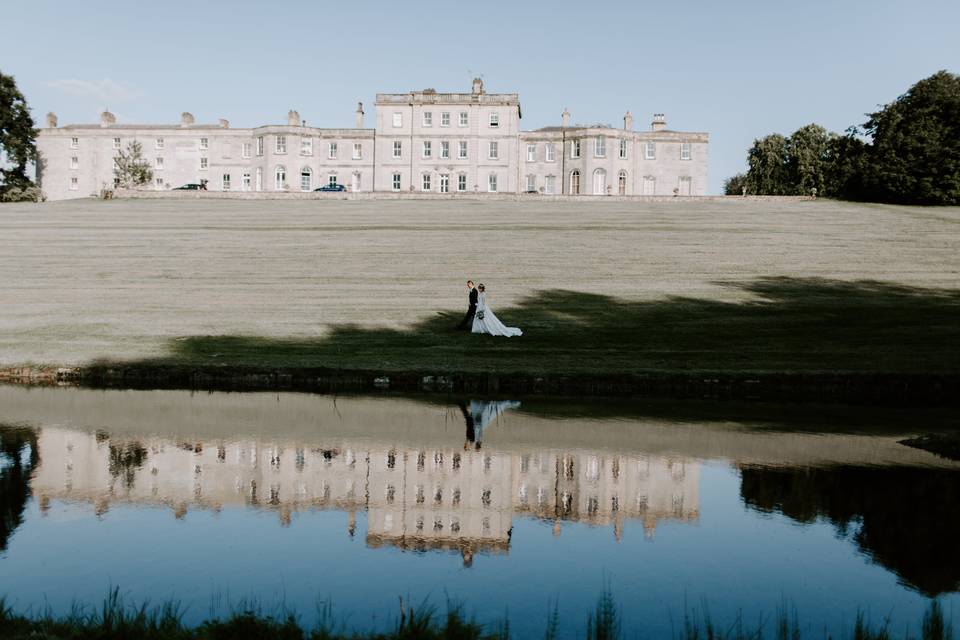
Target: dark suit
{"x": 467, "y": 322}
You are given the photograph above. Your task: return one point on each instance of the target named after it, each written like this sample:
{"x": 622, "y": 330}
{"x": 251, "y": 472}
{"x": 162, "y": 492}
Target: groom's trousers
{"x": 467, "y": 322}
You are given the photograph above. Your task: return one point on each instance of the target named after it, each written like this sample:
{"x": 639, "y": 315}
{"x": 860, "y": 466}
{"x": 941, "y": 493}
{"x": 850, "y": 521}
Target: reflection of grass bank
{"x": 116, "y": 620}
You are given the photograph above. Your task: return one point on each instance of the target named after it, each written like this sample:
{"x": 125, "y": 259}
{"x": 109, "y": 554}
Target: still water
{"x": 507, "y": 506}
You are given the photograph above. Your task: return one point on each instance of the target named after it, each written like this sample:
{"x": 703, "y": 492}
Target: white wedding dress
{"x": 486, "y": 322}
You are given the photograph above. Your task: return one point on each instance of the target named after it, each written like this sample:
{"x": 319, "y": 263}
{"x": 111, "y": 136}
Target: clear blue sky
{"x": 737, "y": 69}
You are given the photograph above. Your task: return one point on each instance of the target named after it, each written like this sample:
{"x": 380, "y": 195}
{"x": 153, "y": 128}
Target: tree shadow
{"x": 784, "y": 325}
{"x": 15, "y": 474}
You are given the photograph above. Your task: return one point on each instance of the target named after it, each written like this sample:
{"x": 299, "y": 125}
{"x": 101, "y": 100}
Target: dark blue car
{"x": 331, "y": 187}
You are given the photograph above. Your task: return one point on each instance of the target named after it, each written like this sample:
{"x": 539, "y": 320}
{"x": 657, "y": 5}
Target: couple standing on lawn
{"x": 480, "y": 318}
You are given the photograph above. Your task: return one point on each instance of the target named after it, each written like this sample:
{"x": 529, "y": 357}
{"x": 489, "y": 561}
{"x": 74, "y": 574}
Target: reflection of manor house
{"x": 417, "y": 498}
{"x": 423, "y": 141}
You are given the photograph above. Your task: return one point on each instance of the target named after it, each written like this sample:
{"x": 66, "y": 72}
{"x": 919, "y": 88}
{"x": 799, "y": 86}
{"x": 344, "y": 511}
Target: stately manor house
{"x": 423, "y": 141}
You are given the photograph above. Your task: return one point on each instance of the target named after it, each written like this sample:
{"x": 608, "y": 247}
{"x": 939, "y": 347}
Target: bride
{"x": 486, "y": 322}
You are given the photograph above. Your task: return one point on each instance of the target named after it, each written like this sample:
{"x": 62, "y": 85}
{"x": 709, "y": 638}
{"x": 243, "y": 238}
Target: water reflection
{"x": 905, "y": 520}
{"x": 417, "y": 498}
{"x": 19, "y": 456}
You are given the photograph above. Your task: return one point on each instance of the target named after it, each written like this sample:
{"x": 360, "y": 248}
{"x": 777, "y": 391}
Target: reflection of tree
{"x": 15, "y": 477}
{"x": 908, "y": 518}
{"x": 126, "y": 458}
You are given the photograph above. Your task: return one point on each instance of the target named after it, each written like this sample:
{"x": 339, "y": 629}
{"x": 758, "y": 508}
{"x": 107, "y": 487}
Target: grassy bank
{"x": 116, "y": 620}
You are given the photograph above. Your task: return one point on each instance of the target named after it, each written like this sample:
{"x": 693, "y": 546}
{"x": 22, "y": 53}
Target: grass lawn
{"x": 597, "y": 287}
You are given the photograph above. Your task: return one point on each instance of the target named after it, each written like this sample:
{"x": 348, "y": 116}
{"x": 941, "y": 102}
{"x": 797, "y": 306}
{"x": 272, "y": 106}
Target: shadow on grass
{"x": 787, "y": 325}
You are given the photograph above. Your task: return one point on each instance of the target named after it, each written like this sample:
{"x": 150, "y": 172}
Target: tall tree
{"x": 733, "y": 186}
{"x": 807, "y": 159}
{"x": 130, "y": 168}
{"x": 18, "y": 139}
{"x": 767, "y": 161}
{"x": 915, "y": 152}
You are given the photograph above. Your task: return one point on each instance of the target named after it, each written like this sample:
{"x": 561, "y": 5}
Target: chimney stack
{"x": 359, "y": 115}
{"x": 565, "y": 118}
{"x": 52, "y": 120}
{"x": 628, "y": 121}
{"x": 107, "y": 119}
{"x": 477, "y": 86}
{"x": 293, "y": 118}
{"x": 186, "y": 119}
{"x": 659, "y": 122}
{"x": 224, "y": 123}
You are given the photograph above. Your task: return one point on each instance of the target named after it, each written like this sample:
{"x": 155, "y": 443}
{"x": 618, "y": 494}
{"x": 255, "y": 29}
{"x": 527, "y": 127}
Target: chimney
{"x": 52, "y": 120}
{"x": 628, "y": 121}
{"x": 293, "y": 118}
{"x": 186, "y": 119}
{"x": 224, "y": 123}
{"x": 565, "y": 118}
{"x": 107, "y": 119}
{"x": 477, "y": 86}
{"x": 659, "y": 122}
{"x": 359, "y": 115}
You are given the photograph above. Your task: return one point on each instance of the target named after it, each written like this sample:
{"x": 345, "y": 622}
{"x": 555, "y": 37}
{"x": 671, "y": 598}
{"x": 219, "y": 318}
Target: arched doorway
{"x": 280, "y": 178}
{"x": 622, "y": 183}
{"x": 575, "y": 182}
{"x": 599, "y": 182}
{"x": 306, "y": 179}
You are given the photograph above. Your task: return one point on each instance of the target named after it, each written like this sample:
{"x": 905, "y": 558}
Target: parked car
{"x": 331, "y": 187}
{"x": 192, "y": 186}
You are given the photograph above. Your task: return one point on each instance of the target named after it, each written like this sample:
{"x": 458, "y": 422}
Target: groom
{"x": 467, "y": 322}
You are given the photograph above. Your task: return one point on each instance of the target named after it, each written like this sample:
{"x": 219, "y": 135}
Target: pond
{"x": 509, "y": 506}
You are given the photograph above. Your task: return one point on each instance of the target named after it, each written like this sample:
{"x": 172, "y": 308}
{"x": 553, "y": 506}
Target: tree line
{"x": 908, "y": 152}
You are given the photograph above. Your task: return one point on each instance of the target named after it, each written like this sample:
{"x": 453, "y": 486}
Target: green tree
{"x": 18, "y": 139}
{"x": 733, "y": 186}
{"x": 845, "y": 166}
{"x": 767, "y": 161}
{"x": 130, "y": 168}
{"x": 807, "y": 159}
{"x": 914, "y": 157}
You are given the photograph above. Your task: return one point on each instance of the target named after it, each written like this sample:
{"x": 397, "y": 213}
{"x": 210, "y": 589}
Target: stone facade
{"x": 422, "y": 142}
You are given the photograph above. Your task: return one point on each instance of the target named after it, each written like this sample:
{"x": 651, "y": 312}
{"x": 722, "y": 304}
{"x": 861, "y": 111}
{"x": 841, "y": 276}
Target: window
{"x": 685, "y": 187}
{"x": 531, "y": 152}
{"x": 158, "y": 183}
{"x": 396, "y": 182}
{"x": 445, "y": 149}
{"x": 684, "y": 150}
{"x": 622, "y": 183}
{"x": 246, "y": 149}
{"x": 280, "y": 178}
{"x": 464, "y": 118}
{"x": 397, "y": 148}
{"x": 494, "y": 151}
{"x": 462, "y": 149}
{"x": 531, "y": 183}
{"x": 332, "y": 179}
{"x": 357, "y": 150}
{"x": 600, "y": 147}
{"x": 427, "y": 149}
{"x": 332, "y": 151}
{"x": 74, "y": 143}
{"x": 494, "y": 119}
{"x": 397, "y": 119}
{"x": 159, "y": 163}
{"x": 445, "y": 119}
{"x": 444, "y": 183}
{"x": 428, "y": 118}
{"x": 549, "y": 184}
{"x": 116, "y": 143}
{"x": 260, "y": 145}
{"x": 551, "y": 152}
{"x": 158, "y": 143}
{"x": 492, "y": 183}
{"x": 281, "y": 144}
{"x": 74, "y": 162}
{"x": 623, "y": 149}
{"x": 649, "y": 151}
{"x": 204, "y": 143}
{"x": 574, "y": 148}
{"x": 74, "y": 184}
{"x": 306, "y": 179}
{"x": 575, "y": 183}
{"x": 246, "y": 181}
{"x": 425, "y": 184}
{"x": 203, "y": 163}
{"x": 462, "y": 182}
{"x": 306, "y": 146}
{"x": 225, "y": 182}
